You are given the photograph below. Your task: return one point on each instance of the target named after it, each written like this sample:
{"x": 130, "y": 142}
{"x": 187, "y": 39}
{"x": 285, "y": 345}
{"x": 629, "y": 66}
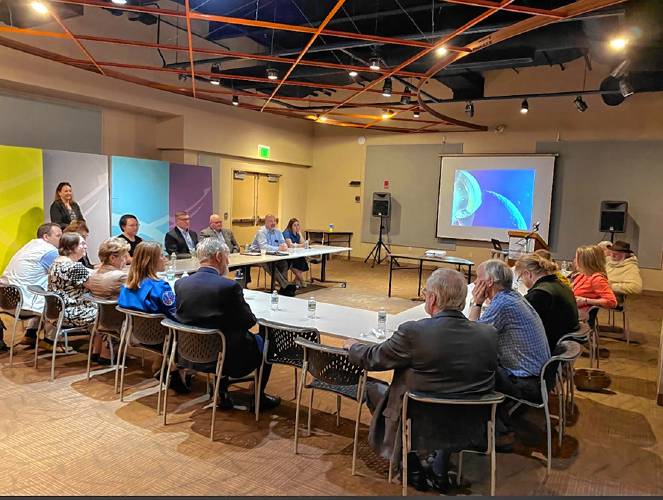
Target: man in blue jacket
{"x": 209, "y": 300}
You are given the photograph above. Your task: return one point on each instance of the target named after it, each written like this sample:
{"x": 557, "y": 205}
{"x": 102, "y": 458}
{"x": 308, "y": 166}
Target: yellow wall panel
{"x": 21, "y": 198}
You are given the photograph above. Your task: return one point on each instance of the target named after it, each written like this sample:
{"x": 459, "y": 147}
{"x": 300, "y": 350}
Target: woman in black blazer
{"x": 64, "y": 209}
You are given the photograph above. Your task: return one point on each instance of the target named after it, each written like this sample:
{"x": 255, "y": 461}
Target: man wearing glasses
{"x": 180, "y": 240}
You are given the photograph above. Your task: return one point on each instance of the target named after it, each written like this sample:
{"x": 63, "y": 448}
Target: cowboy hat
{"x": 621, "y": 246}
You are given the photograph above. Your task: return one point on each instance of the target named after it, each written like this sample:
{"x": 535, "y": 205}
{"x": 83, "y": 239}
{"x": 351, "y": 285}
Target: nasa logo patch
{"x": 168, "y": 298}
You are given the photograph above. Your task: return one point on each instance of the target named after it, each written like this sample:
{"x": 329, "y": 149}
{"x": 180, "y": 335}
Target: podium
{"x": 522, "y": 242}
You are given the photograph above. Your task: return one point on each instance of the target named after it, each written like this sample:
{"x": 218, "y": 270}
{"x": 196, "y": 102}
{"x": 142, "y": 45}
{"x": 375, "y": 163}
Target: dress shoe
{"x": 225, "y": 402}
{"x": 288, "y": 291}
{"x": 178, "y": 385}
{"x": 96, "y": 358}
{"x": 416, "y": 476}
{"x": 3, "y": 346}
{"x": 440, "y": 482}
{"x": 504, "y": 442}
{"x": 268, "y": 402}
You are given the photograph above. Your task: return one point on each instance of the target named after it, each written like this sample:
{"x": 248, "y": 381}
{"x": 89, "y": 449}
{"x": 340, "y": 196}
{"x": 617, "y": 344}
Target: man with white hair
{"x": 522, "y": 345}
{"x": 270, "y": 239}
{"x": 443, "y": 354}
{"x": 216, "y": 230}
{"x": 29, "y": 266}
{"x": 207, "y": 299}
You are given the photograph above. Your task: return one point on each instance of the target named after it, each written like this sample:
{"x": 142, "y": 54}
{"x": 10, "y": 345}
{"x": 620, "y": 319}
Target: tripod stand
{"x": 376, "y": 252}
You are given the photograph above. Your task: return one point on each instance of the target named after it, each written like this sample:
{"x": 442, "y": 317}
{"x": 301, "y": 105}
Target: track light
{"x": 119, "y": 2}
{"x": 272, "y": 74}
{"x": 625, "y": 87}
{"x": 524, "y": 107}
{"x": 352, "y": 73}
{"x": 407, "y": 96}
{"x": 235, "y": 100}
{"x": 618, "y": 43}
{"x": 215, "y": 81}
{"x": 374, "y": 63}
{"x": 580, "y": 104}
{"x": 386, "y": 114}
{"x": 215, "y": 69}
{"x": 442, "y": 51}
{"x": 416, "y": 113}
{"x": 469, "y": 109}
{"x": 386, "y": 88}
{"x": 39, "y": 7}
{"x": 322, "y": 119}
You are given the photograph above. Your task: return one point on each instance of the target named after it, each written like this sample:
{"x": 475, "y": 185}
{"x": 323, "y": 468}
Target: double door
{"x": 255, "y": 195}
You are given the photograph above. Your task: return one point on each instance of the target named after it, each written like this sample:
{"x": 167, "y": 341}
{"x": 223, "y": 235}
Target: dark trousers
{"x": 527, "y": 388}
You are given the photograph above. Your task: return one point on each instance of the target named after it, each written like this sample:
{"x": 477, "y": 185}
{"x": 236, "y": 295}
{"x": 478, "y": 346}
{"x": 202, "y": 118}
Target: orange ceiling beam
{"x": 71, "y": 36}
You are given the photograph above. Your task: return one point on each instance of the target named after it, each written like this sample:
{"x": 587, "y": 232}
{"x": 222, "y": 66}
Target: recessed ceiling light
{"x": 618, "y": 43}
{"x": 119, "y": 2}
{"x": 416, "y": 113}
{"x": 352, "y": 73}
{"x": 39, "y": 7}
{"x": 322, "y": 119}
{"x": 235, "y": 100}
{"x": 524, "y": 107}
{"x": 441, "y": 51}
{"x": 374, "y": 64}
{"x": 272, "y": 74}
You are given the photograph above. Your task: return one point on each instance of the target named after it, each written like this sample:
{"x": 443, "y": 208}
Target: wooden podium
{"x": 522, "y": 242}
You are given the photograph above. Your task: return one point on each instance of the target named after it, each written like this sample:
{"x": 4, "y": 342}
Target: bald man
{"x": 215, "y": 230}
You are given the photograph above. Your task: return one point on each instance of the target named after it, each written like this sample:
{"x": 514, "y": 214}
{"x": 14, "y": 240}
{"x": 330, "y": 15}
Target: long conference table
{"x": 246, "y": 261}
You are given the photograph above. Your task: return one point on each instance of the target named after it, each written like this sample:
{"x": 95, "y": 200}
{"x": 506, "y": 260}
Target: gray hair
{"x": 449, "y": 288}
{"x": 499, "y": 272}
{"x": 209, "y": 247}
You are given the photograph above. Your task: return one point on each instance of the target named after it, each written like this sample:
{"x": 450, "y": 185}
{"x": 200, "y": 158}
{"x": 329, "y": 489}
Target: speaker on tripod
{"x": 613, "y": 217}
{"x": 381, "y": 207}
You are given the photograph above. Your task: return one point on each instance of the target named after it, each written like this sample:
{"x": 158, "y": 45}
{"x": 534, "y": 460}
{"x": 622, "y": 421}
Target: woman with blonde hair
{"x": 552, "y": 300}
{"x": 105, "y": 283}
{"x": 145, "y": 291}
{"x": 590, "y": 284}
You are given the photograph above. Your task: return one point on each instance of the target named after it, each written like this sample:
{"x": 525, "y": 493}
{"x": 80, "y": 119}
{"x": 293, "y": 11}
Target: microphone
{"x": 535, "y": 227}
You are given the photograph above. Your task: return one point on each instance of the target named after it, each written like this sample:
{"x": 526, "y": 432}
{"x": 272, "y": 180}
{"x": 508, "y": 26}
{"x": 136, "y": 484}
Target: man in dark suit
{"x": 209, "y": 300}
{"x": 180, "y": 240}
{"x": 445, "y": 354}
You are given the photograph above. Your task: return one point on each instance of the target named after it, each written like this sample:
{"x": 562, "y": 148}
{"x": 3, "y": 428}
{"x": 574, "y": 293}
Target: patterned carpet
{"x": 74, "y": 437}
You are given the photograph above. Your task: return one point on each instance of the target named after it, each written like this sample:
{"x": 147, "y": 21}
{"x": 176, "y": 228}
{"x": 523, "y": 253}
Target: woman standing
{"x": 590, "y": 284}
{"x": 69, "y": 279}
{"x": 64, "y": 209}
{"x": 293, "y": 238}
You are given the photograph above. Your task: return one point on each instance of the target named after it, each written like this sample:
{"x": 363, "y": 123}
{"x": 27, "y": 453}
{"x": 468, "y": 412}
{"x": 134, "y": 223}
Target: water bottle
{"x": 185, "y": 274}
{"x": 311, "y": 307}
{"x": 306, "y": 244}
{"x": 247, "y": 247}
{"x": 382, "y": 321}
{"x": 170, "y": 271}
{"x": 275, "y": 301}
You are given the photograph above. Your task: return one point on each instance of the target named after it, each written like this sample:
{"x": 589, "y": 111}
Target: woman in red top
{"x": 590, "y": 284}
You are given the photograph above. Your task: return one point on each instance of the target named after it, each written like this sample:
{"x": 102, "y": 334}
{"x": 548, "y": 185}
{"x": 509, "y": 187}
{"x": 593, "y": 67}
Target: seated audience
{"x": 590, "y": 283}
{"x": 105, "y": 283}
{"x": 69, "y": 279}
{"x": 216, "y": 230}
{"x": 522, "y": 346}
{"x": 552, "y": 300}
{"x": 622, "y": 269}
{"x": 293, "y": 238}
{"x": 270, "y": 239}
{"x": 145, "y": 292}
{"x": 180, "y": 240}
{"x": 209, "y": 300}
{"x": 129, "y": 226}
{"x": 446, "y": 354}
{"x": 80, "y": 227}
{"x": 64, "y": 210}
{"x": 29, "y": 266}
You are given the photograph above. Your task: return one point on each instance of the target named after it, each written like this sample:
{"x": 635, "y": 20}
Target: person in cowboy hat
{"x": 622, "y": 269}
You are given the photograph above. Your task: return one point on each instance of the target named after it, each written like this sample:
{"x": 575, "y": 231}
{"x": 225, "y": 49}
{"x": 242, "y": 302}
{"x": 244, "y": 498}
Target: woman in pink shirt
{"x": 590, "y": 284}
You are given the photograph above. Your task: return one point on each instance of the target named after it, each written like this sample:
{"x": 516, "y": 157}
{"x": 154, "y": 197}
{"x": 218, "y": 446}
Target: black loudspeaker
{"x": 381, "y": 204}
{"x": 613, "y": 216}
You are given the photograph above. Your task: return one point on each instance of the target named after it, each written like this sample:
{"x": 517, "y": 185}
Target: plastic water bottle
{"x": 382, "y": 322}
{"x": 275, "y": 301}
{"x": 170, "y": 271}
{"x": 306, "y": 244}
{"x": 311, "y": 307}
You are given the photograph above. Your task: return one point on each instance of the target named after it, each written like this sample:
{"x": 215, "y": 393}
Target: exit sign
{"x": 263, "y": 151}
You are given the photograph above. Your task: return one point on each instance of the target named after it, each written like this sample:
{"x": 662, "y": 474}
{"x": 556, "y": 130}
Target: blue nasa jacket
{"x": 152, "y": 296}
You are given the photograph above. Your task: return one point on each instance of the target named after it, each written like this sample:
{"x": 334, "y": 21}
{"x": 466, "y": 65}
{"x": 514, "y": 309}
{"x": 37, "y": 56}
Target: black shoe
{"x": 225, "y": 402}
{"x": 268, "y": 402}
{"x": 416, "y": 476}
{"x": 3, "y": 346}
{"x": 504, "y": 442}
{"x": 96, "y": 358}
{"x": 179, "y": 385}
{"x": 440, "y": 482}
{"x": 288, "y": 291}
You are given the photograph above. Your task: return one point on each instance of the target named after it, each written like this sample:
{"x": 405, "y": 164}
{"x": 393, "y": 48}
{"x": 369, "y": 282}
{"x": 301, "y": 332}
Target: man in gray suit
{"x": 215, "y": 230}
{"x": 446, "y": 354}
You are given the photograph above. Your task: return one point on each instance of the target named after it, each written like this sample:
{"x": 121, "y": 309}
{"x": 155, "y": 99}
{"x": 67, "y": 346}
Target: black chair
{"x": 565, "y": 352}
{"x": 280, "y": 347}
{"x": 143, "y": 331}
{"x": 331, "y": 370}
{"x": 11, "y": 304}
{"x": 464, "y": 423}
{"x": 53, "y": 316}
{"x": 109, "y": 322}
{"x": 581, "y": 336}
{"x": 593, "y": 336}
